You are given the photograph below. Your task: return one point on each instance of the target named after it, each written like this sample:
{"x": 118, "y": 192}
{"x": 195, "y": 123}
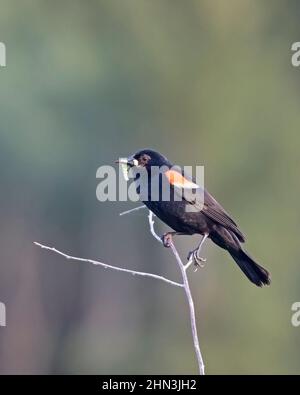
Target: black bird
{"x": 195, "y": 212}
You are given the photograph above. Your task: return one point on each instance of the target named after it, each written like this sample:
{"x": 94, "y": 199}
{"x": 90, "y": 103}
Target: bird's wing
{"x": 202, "y": 201}
{"x": 213, "y": 210}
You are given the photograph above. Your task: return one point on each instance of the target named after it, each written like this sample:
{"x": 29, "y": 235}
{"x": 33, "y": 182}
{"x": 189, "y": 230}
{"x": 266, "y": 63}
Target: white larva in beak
{"x": 124, "y": 167}
{"x": 125, "y": 170}
{"x": 126, "y": 164}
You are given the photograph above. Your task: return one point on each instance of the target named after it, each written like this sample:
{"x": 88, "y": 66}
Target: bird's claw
{"x": 197, "y": 260}
{"x": 167, "y": 239}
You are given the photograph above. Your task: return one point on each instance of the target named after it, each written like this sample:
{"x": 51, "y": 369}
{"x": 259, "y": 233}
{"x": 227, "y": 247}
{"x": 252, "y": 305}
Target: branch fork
{"x": 183, "y": 270}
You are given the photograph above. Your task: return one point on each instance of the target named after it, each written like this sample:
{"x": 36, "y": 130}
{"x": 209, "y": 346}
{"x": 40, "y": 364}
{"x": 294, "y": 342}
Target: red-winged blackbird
{"x": 210, "y": 220}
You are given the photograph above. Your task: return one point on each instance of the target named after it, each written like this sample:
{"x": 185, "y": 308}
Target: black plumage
{"x": 196, "y": 212}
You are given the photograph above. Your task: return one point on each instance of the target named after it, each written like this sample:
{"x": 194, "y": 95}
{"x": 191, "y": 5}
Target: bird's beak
{"x": 131, "y": 162}
{"x": 126, "y": 164}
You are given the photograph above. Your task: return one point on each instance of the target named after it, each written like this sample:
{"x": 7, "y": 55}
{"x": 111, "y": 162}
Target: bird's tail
{"x": 227, "y": 240}
{"x": 256, "y": 273}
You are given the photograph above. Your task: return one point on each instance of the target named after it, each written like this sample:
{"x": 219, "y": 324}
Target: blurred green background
{"x": 205, "y": 82}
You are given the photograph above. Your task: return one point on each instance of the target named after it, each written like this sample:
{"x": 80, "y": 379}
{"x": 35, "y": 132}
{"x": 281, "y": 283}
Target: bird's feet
{"x": 167, "y": 239}
{"x": 197, "y": 260}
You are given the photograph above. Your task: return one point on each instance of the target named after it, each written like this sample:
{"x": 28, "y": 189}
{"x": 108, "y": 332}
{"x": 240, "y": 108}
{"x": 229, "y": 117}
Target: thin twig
{"x": 133, "y": 209}
{"x": 188, "y": 264}
{"x": 151, "y": 224}
{"x": 120, "y": 269}
{"x": 192, "y": 309}
{"x": 183, "y": 269}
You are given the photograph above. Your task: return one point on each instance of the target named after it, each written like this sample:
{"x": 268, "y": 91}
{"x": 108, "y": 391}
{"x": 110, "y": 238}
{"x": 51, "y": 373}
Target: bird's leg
{"x": 198, "y": 260}
{"x": 168, "y": 237}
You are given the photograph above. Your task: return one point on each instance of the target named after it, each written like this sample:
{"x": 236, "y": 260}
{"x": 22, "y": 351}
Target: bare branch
{"x": 151, "y": 224}
{"x": 192, "y": 310}
{"x": 183, "y": 269}
{"x": 188, "y": 264}
{"x": 93, "y": 262}
{"x": 133, "y": 209}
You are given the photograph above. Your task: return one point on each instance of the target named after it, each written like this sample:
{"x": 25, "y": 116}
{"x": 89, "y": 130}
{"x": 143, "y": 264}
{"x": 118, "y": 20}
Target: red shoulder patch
{"x": 177, "y": 179}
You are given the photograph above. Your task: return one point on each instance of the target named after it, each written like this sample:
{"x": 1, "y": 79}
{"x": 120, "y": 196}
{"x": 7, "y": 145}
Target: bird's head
{"x": 145, "y": 158}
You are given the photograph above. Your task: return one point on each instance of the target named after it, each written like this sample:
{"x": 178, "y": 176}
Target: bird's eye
{"x": 143, "y": 160}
